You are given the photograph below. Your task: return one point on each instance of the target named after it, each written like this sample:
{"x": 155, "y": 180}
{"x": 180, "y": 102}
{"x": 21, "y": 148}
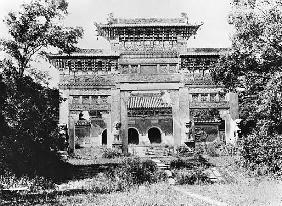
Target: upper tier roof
{"x": 146, "y": 22}
{"x": 84, "y": 53}
{"x": 204, "y": 51}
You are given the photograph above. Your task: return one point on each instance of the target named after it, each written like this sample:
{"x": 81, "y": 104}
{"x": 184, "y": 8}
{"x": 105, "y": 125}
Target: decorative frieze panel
{"x": 150, "y": 112}
{"x": 220, "y": 105}
{"x": 208, "y": 97}
{"x": 197, "y": 79}
{"x": 90, "y": 92}
{"x": 87, "y": 107}
{"x": 86, "y": 80}
{"x": 149, "y": 78}
{"x": 200, "y": 63}
{"x": 149, "y": 46}
{"x": 148, "y": 68}
{"x": 105, "y": 65}
{"x": 205, "y": 90}
{"x": 156, "y": 60}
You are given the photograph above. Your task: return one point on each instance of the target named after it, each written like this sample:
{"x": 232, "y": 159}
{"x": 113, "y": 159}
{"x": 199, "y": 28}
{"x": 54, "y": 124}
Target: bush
{"x": 135, "y": 171}
{"x": 181, "y": 163}
{"x": 111, "y": 153}
{"x": 9, "y": 180}
{"x": 184, "y": 151}
{"x": 30, "y": 112}
{"x": 262, "y": 153}
{"x": 191, "y": 177}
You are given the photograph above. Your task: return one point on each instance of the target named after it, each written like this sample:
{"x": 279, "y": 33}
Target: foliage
{"x": 34, "y": 28}
{"x": 8, "y": 180}
{"x": 191, "y": 177}
{"x": 188, "y": 163}
{"x": 254, "y": 60}
{"x": 134, "y": 170}
{"x": 254, "y": 67}
{"x": 263, "y": 153}
{"x": 184, "y": 151}
{"x": 212, "y": 149}
{"x": 111, "y": 153}
{"x": 28, "y": 110}
{"x": 30, "y": 114}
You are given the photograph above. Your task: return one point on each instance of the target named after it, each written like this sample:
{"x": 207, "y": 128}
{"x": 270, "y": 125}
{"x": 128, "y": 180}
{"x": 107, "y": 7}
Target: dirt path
{"x": 200, "y": 197}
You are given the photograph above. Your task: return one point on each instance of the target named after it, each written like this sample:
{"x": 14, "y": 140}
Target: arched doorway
{"x": 104, "y": 137}
{"x": 154, "y": 135}
{"x": 133, "y": 136}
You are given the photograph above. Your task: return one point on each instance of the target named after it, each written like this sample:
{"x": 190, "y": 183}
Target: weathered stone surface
{"x": 147, "y": 56}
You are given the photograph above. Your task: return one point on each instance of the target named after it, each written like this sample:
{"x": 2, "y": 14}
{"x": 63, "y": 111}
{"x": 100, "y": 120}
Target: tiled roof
{"x": 205, "y": 51}
{"x": 149, "y": 25}
{"x": 85, "y": 53}
{"x": 149, "y": 20}
{"x": 136, "y": 102}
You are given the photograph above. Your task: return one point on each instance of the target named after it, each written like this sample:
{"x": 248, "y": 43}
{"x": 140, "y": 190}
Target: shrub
{"x": 140, "y": 171}
{"x": 181, "y": 163}
{"x": 134, "y": 170}
{"x": 262, "y": 153}
{"x": 29, "y": 131}
{"x": 9, "y": 180}
{"x": 111, "y": 153}
{"x": 183, "y": 151}
{"x": 194, "y": 176}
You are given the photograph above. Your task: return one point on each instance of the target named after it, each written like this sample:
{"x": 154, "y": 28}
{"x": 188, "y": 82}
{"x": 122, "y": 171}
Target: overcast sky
{"x": 215, "y": 32}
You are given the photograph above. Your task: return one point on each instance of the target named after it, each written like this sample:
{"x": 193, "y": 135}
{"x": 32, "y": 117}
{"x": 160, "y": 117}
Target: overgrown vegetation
{"x": 29, "y": 110}
{"x": 34, "y": 184}
{"x": 134, "y": 170}
{"x": 253, "y": 67}
{"x": 191, "y": 177}
{"x": 111, "y": 153}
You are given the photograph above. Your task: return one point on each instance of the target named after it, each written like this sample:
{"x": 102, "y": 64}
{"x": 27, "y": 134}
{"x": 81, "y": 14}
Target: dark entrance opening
{"x": 133, "y": 136}
{"x": 104, "y": 137}
{"x": 154, "y": 135}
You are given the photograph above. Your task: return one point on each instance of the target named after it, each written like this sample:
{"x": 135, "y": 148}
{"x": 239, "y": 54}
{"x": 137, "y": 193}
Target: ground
{"x": 256, "y": 193}
{"x": 239, "y": 189}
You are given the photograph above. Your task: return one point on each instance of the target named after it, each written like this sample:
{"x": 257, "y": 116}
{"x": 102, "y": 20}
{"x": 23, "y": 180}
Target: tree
{"x": 256, "y": 54}
{"x": 34, "y": 28}
{"x": 29, "y": 110}
{"x": 254, "y": 65}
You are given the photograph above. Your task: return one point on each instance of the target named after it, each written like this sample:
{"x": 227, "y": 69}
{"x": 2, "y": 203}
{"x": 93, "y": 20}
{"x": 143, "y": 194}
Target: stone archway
{"x": 133, "y": 136}
{"x": 154, "y": 135}
{"x": 104, "y": 137}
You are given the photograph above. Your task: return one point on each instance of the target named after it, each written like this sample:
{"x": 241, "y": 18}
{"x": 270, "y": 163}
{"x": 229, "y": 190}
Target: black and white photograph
{"x": 141, "y": 102}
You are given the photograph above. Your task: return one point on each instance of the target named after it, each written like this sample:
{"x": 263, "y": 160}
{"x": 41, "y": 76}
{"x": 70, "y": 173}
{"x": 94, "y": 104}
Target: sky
{"x": 215, "y": 32}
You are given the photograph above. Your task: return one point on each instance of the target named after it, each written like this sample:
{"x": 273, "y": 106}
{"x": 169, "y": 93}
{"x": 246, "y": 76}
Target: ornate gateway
{"x": 150, "y": 83}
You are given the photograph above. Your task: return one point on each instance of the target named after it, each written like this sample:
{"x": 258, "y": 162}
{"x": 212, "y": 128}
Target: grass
{"x": 244, "y": 190}
{"x": 156, "y": 194}
{"x": 255, "y": 192}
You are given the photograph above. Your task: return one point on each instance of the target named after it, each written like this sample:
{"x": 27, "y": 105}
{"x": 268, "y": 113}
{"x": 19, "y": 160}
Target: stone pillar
{"x": 115, "y": 113}
{"x": 64, "y": 107}
{"x": 234, "y": 105}
{"x": 184, "y": 113}
{"x": 124, "y": 96}
{"x": 71, "y": 131}
{"x": 174, "y": 95}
